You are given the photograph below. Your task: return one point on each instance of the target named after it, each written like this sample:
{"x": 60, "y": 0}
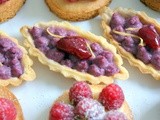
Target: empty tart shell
{"x": 9, "y": 9}
{"x": 96, "y": 89}
{"x": 106, "y": 15}
{"x": 66, "y": 71}
{"x": 76, "y": 11}
{"x": 7, "y": 94}
{"x": 28, "y": 72}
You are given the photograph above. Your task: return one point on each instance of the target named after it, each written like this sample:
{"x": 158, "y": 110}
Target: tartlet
{"x": 5, "y": 93}
{"x": 67, "y": 71}
{"x": 141, "y": 22}
{"x": 78, "y": 10}
{"x": 9, "y": 59}
{"x": 9, "y": 8}
{"x": 96, "y": 89}
{"x": 155, "y": 5}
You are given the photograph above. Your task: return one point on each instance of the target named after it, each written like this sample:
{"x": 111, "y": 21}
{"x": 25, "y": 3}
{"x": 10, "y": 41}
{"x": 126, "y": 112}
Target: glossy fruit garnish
{"x": 7, "y": 110}
{"x": 149, "y": 37}
{"x": 3, "y": 1}
{"x": 75, "y": 45}
{"x": 111, "y": 97}
{"x": 79, "y": 91}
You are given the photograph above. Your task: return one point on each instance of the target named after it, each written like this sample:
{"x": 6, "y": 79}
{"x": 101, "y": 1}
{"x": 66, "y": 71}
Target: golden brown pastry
{"x": 15, "y": 64}
{"x": 78, "y": 61}
{"x": 153, "y": 4}
{"x": 9, "y": 8}
{"x": 78, "y": 10}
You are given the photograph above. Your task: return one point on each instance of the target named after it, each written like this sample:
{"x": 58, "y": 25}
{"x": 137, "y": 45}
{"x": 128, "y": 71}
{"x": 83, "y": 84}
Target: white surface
{"x": 142, "y": 91}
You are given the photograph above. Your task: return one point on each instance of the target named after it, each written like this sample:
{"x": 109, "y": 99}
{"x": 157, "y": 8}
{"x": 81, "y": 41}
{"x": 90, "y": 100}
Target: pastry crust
{"x": 28, "y": 74}
{"x": 153, "y": 4}
{"x": 10, "y": 8}
{"x": 6, "y": 93}
{"x": 76, "y": 11}
{"x": 72, "y": 73}
{"x": 106, "y": 14}
{"x": 96, "y": 89}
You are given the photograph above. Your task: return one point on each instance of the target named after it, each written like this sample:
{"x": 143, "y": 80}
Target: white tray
{"x": 141, "y": 91}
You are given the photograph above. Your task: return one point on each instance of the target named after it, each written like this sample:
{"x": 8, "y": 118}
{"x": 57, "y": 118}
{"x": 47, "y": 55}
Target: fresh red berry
{"x": 115, "y": 115}
{"x": 149, "y": 37}
{"x": 61, "y": 111}
{"x": 89, "y": 109}
{"x": 78, "y": 91}
{"x": 74, "y": 45}
{"x": 112, "y": 97}
{"x": 7, "y": 110}
{"x": 3, "y": 1}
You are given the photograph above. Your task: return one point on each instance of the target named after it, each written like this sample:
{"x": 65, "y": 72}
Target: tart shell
{"x": 28, "y": 74}
{"x": 153, "y": 4}
{"x": 96, "y": 89}
{"x": 6, "y": 93}
{"x": 10, "y": 8}
{"x": 72, "y": 73}
{"x": 76, "y": 11}
{"x": 106, "y": 15}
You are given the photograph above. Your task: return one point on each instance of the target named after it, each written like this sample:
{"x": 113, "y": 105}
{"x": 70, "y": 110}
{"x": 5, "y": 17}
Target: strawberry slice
{"x": 149, "y": 36}
{"x": 74, "y": 45}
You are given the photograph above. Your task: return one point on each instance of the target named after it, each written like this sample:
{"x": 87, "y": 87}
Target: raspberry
{"x": 78, "y": 91}
{"x": 89, "y": 109}
{"x": 115, "y": 115}
{"x": 61, "y": 111}
{"x": 112, "y": 97}
{"x": 7, "y": 110}
{"x": 3, "y": 1}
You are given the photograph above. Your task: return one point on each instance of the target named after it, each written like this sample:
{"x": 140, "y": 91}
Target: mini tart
{"x": 155, "y": 5}
{"x": 106, "y": 14}
{"x": 9, "y": 9}
{"x": 76, "y": 11}
{"x": 66, "y": 71}
{"x": 96, "y": 89}
{"x": 7, "y": 94}
{"x": 28, "y": 73}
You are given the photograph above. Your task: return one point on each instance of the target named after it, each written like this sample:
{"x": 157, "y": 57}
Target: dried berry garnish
{"x": 149, "y": 37}
{"x": 75, "y": 45}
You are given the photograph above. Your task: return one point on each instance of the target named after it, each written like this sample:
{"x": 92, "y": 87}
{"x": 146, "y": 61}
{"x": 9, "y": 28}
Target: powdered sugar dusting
{"x": 115, "y": 115}
{"x": 89, "y": 109}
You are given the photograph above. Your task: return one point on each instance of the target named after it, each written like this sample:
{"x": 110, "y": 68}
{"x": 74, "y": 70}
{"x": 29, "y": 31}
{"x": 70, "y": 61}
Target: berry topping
{"x": 149, "y": 37}
{"x": 61, "y": 111}
{"x": 115, "y": 115}
{"x": 79, "y": 91}
{"x": 3, "y": 1}
{"x": 7, "y": 110}
{"x": 74, "y": 45}
{"x": 89, "y": 109}
{"x": 112, "y": 97}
